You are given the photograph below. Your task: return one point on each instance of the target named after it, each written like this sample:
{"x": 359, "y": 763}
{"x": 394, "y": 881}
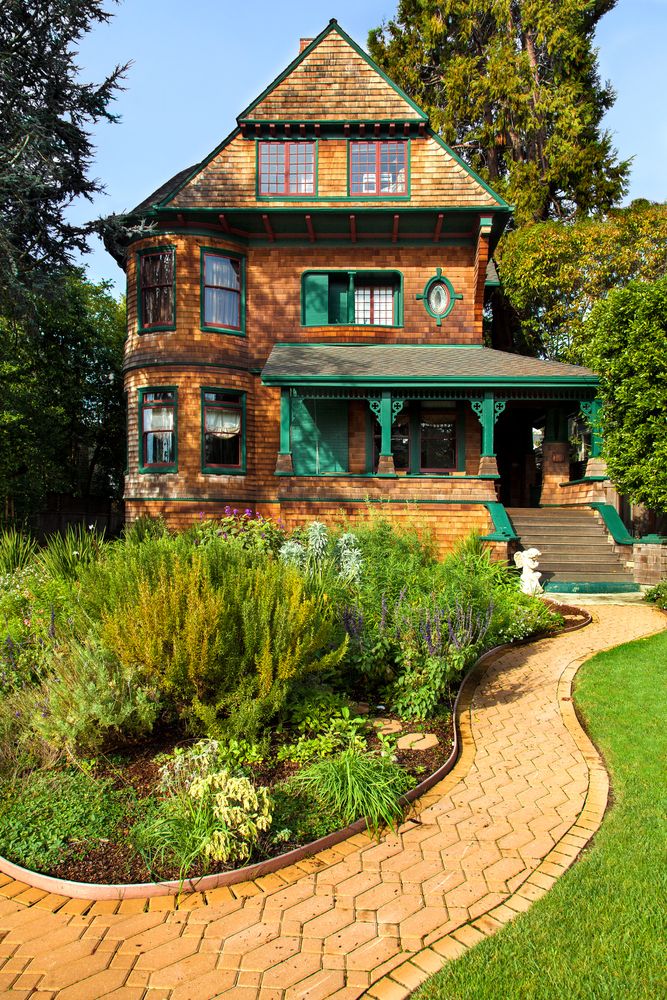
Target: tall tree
{"x": 553, "y": 274}
{"x": 513, "y": 86}
{"x": 62, "y": 420}
{"x": 626, "y": 342}
{"x": 46, "y": 111}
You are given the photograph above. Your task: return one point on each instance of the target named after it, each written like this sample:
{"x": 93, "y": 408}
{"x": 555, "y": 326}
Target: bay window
{"x": 223, "y": 431}
{"x": 157, "y": 430}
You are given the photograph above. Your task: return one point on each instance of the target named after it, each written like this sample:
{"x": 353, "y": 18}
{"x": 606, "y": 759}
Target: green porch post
{"x": 284, "y": 465}
{"x": 488, "y": 409}
{"x": 591, "y": 411}
{"x": 383, "y": 410}
{"x": 596, "y": 465}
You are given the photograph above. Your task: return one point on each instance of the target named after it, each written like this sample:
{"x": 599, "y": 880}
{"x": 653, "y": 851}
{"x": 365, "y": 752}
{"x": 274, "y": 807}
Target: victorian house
{"x": 306, "y": 325}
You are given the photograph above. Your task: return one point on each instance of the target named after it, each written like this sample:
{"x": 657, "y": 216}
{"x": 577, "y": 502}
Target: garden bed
{"x": 196, "y": 704}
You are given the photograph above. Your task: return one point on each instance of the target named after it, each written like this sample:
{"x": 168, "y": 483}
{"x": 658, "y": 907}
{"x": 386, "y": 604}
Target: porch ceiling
{"x": 418, "y": 365}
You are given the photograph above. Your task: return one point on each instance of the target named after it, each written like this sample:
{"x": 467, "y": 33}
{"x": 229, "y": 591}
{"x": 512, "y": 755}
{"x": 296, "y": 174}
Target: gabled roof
{"x": 332, "y": 79}
{"x": 400, "y": 364}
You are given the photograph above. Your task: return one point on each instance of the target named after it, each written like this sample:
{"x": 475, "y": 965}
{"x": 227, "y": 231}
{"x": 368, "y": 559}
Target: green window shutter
{"x": 338, "y": 298}
{"x": 304, "y": 437}
{"x": 333, "y": 435}
{"x": 319, "y": 436}
{"x": 316, "y": 299}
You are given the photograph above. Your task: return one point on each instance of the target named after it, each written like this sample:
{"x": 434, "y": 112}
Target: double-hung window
{"x": 156, "y": 279}
{"x": 378, "y": 168}
{"x": 221, "y": 291}
{"x": 223, "y": 431}
{"x": 353, "y": 298}
{"x": 157, "y": 430}
{"x": 286, "y": 168}
{"x": 426, "y": 438}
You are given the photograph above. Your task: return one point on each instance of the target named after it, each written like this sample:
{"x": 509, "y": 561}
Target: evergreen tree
{"x": 513, "y": 86}
{"x": 45, "y": 146}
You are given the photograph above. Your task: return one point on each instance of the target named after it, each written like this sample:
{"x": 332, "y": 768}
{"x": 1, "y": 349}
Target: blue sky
{"x": 197, "y": 64}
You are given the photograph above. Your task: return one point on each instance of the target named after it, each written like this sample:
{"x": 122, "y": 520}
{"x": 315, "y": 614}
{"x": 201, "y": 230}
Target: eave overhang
{"x": 424, "y": 366}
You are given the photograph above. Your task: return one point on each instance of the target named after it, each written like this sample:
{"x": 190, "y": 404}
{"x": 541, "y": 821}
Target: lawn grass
{"x": 601, "y": 932}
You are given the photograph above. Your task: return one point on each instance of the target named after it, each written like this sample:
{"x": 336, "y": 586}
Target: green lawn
{"x": 601, "y": 932}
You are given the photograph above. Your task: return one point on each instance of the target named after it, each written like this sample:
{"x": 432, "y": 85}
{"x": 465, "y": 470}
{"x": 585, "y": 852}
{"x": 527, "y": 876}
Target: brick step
{"x": 568, "y": 524}
{"x": 595, "y": 562}
{"x": 561, "y": 534}
{"x": 547, "y": 513}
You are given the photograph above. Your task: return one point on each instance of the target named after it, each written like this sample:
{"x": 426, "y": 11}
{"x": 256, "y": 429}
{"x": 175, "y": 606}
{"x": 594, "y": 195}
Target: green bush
{"x": 355, "y": 785}
{"x": 60, "y": 811}
{"x": 89, "y": 701}
{"x": 658, "y": 595}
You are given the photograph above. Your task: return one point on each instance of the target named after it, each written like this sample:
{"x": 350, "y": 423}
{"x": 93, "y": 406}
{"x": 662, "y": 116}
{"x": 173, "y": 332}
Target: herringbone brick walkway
{"x": 525, "y": 797}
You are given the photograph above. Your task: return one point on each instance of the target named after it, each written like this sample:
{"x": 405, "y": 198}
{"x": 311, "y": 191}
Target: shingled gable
{"x": 332, "y": 81}
{"x": 341, "y": 83}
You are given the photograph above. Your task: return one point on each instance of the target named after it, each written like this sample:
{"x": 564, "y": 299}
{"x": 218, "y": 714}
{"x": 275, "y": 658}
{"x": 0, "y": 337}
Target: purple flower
{"x": 235, "y": 512}
{"x": 228, "y": 510}
{"x": 353, "y": 622}
{"x": 247, "y": 512}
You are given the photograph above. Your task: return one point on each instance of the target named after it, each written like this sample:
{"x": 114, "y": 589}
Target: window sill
{"x": 223, "y": 329}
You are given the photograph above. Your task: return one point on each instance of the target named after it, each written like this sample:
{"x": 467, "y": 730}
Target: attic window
{"x": 286, "y": 168}
{"x": 378, "y": 168}
{"x": 156, "y": 273}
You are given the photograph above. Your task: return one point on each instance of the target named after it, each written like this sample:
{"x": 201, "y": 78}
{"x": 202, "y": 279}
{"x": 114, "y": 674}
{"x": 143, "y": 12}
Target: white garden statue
{"x": 527, "y": 562}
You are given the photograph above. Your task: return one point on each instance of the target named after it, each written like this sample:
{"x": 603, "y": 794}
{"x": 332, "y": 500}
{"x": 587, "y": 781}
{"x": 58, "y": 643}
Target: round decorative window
{"x": 439, "y": 296}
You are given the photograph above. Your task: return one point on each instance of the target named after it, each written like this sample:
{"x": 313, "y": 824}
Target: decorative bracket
{"x": 396, "y": 407}
{"x": 376, "y": 406}
{"x": 498, "y": 408}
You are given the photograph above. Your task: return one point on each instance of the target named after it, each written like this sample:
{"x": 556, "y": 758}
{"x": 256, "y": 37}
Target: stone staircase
{"x": 577, "y": 555}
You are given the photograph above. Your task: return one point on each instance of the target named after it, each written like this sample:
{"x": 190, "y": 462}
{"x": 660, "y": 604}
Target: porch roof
{"x": 431, "y": 365}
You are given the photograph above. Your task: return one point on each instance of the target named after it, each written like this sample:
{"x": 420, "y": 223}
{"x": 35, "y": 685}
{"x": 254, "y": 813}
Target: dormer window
{"x": 286, "y": 168}
{"x": 378, "y": 168}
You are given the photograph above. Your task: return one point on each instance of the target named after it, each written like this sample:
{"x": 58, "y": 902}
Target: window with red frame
{"x": 157, "y": 414}
{"x": 378, "y": 168}
{"x": 223, "y": 429}
{"x": 374, "y": 304}
{"x": 286, "y": 168}
{"x": 156, "y": 284}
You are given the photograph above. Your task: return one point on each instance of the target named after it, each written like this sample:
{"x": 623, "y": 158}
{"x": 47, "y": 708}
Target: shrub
{"x": 353, "y": 785}
{"x": 17, "y": 551}
{"x": 89, "y": 701}
{"x": 251, "y": 532}
{"x": 658, "y": 595}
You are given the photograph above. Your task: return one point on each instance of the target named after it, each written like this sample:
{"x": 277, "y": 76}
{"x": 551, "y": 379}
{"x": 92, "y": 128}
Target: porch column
{"x": 382, "y": 409}
{"x": 488, "y": 410}
{"x": 596, "y": 465}
{"x": 284, "y": 465}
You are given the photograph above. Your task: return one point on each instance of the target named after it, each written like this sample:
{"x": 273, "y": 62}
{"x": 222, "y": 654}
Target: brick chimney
{"x": 304, "y": 43}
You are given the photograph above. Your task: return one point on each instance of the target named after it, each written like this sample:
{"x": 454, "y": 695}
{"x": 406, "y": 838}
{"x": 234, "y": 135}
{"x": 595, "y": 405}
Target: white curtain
{"x": 223, "y": 423}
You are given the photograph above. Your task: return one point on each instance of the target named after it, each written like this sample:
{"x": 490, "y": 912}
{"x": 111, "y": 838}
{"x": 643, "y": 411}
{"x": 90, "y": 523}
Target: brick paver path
{"x": 525, "y": 797}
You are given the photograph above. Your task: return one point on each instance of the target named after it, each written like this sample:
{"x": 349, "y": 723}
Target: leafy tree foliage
{"x": 553, "y": 274}
{"x": 513, "y": 85}
{"x": 45, "y": 148}
{"x": 62, "y": 421}
{"x": 626, "y": 343}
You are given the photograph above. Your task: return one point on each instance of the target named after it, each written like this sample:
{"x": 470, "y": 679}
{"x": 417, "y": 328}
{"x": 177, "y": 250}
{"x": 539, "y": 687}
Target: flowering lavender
{"x": 353, "y": 622}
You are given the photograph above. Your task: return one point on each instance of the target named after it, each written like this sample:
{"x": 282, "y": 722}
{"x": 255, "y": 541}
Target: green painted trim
{"x": 566, "y": 587}
{"x": 448, "y": 476}
{"x": 151, "y": 470}
{"x": 224, "y": 499}
{"x": 503, "y": 529}
{"x": 352, "y": 272}
{"x": 147, "y": 251}
{"x": 430, "y": 382}
{"x": 364, "y": 198}
{"x": 344, "y": 209}
{"x": 217, "y": 470}
{"x": 585, "y": 479}
{"x": 418, "y": 501}
{"x": 361, "y": 343}
{"x": 185, "y": 363}
{"x": 221, "y": 252}
{"x": 332, "y": 26}
{"x": 438, "y": 277}
{"x": 197, "y": 170}
{"x": 268, "y": 198}
{"x": 613, "y": 523}
{"x": 475, "y": 176}
{"x": 652, "y": 540}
